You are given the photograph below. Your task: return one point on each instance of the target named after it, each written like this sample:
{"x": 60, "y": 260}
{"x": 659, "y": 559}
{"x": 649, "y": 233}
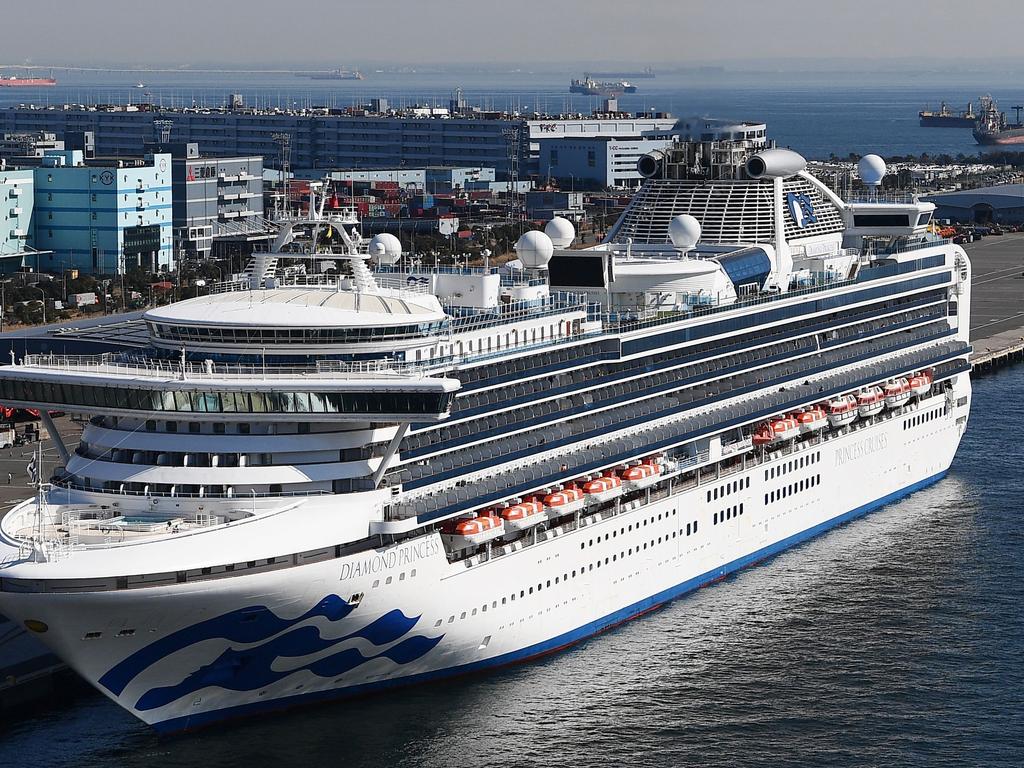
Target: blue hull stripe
{"x": 179, "y": 724}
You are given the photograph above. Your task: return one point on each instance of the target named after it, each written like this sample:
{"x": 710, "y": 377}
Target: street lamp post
{"x": 43, "y": 294}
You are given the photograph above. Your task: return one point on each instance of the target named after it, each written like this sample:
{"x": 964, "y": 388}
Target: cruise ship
{"x": 343, "y": 471}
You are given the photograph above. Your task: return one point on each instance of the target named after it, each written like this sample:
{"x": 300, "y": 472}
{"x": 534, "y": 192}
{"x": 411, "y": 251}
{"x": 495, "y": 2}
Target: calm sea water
{"x": 894, "y": 640}
{"x": 815, "y": 114}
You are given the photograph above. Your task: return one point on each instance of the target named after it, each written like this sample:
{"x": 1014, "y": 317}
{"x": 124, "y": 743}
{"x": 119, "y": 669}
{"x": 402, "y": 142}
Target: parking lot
{"x": 14, "y": 461}
{"x": 997, "y": 296}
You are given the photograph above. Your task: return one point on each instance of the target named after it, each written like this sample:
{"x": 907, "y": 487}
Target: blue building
{"x": 103, "y": 215}
{"x": 16, "y": 201}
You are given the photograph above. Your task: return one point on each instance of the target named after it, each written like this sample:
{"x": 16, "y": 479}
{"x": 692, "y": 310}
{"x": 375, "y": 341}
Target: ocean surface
{"x": 817, "y": 114}
{"x": 894, "y": 640}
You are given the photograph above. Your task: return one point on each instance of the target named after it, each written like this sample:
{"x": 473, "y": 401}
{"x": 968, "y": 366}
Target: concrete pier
{"x": 997, "y": 301}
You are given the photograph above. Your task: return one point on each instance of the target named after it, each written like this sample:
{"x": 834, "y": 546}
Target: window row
{"x": 729, "y": 488}
{"x": 922, "y": 418}
{"x": 792, "y": 465}
{"x": 728, "y": 514}
{"x": 541, "y": 586}
{"x": 225, "y": 402}
{"x": 248, "y": 336}
{"x": 788, "y": 490}
{"x": 627, "y": 529}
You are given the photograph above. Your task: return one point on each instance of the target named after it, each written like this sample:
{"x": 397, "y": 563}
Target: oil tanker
{"x": 25, "y": 82}
{"x": 993, "y": 128}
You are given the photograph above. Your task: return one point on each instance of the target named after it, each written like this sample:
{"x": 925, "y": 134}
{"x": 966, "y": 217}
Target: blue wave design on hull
{"x": 252, "y": 668}
{"x": 246, "y": 625}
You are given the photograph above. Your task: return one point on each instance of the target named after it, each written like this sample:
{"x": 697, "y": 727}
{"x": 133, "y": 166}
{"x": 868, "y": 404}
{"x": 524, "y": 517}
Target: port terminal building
{"x": 105, "y": 215}
{"x": 320, "y": 139}
{"x": 1001, "y": 204}
{"x": 17, "y": 199}
{"x": 217, "y": 201}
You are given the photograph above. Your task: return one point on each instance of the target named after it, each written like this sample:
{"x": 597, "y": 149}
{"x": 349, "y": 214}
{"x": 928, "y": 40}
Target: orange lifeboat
{"x": 897, "y": 393}
{"x": 812, "y": 420}
{"x": 641, "y": 476}
{"x": 785, "y": 428}
{"x": 842, "y": 411}
{"x": 473, "y": 531}
{"x": 870, "y": 401}
{"x": 564, "y": 502}
{"x": 603, "y": 488}
{"x": 523, "y": 515}
{"x": 920, "y": 384}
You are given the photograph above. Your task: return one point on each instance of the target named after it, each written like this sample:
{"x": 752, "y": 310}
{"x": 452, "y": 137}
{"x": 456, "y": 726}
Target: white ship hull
{"x": 193, "y": 658}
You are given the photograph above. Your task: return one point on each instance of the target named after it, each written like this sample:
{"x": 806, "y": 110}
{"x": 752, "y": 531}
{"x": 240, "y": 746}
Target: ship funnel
{"x": 775, "y": 164}
{"x": 648, "y": 165}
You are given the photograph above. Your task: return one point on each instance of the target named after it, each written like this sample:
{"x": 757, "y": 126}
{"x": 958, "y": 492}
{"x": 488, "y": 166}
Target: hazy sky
{"x": 274, "y": 33}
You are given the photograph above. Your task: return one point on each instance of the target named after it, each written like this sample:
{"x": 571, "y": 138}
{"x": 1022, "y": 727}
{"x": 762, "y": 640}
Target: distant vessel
{"x": 337, "y": 74}
{"x": 140, "y": 85}
{"x": 25, "y": 82}
{"x": 993, "y": 128}
{"x": 947, "y": 118}
{"x": 591, "y": 87}
{"x": 646, "y": 74}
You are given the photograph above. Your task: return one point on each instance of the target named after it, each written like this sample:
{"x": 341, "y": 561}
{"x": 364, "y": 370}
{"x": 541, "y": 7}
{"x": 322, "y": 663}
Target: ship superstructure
{"x": 994, "y": 128}
{"x": 316, "y": 483}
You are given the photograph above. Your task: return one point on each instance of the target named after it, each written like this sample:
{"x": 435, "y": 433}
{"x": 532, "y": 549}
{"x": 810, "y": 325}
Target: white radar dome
{"x": 684, "y": 231}
{"x": 534, "y": 249}
{"x": 871, "y": 169}
{"x": 385, "y": 248}
{"x": 561, "y": 231}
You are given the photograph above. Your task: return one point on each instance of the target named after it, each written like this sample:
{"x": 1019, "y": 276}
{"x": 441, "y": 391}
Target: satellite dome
{"x": 561, "y": 231}
{"x": 534, "y": 249}
{"x": 385, "y": 248}
{"x": 871, "y": 169}
{"x": 684, "y": 231}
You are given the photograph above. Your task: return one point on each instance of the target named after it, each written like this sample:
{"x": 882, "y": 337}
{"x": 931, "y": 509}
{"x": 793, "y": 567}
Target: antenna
{"x": 162, "y": 130}
{"x": 284, "y": 154}
{"x": 512, "y": 137}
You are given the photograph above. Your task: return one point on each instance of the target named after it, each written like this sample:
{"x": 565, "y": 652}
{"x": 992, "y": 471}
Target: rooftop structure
{"x": 1003, "y": 203}
{"x": 328, "y": 138}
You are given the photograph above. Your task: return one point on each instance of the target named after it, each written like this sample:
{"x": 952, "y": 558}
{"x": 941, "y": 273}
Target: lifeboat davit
{"x": 523, "y": 515}
{"x": 473, "y": 531}
{"x": 785, "y": 428}
{"x": 897, "y": 393}
{"x": 812, "y": 420}
{"x": 603, "y": 488}
{"x": 842, "y": 410}
{"x": 870, "y": 401}
{"x": 920, "y": 384}
{"x": 564, "y": 502}
{"x": 763, "y": 435}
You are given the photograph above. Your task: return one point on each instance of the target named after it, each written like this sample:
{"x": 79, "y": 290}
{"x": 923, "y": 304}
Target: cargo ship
{"x": 947, "y": 118}
{"x": 12, "y": 81}
{"x": 590, "y": 87}
{"x": 993, "y": 128}
{"x": 337, "y": 74}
